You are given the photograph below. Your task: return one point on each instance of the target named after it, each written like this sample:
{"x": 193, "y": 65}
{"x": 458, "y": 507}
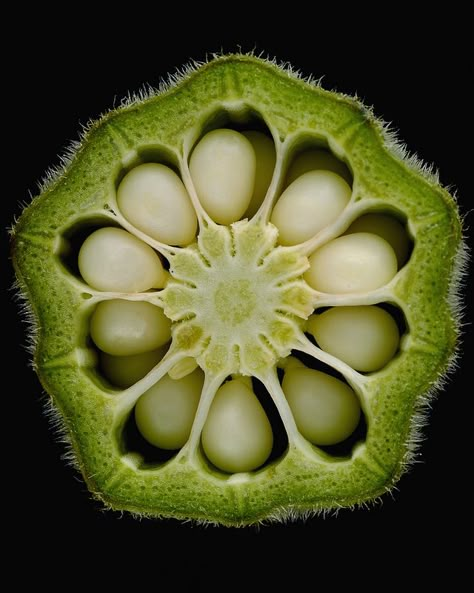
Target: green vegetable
{"x": 256, "y": 226}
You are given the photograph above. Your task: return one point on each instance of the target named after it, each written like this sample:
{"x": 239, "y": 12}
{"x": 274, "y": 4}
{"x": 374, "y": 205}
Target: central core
{"x": 236, "y": 298}
{"x": 235, "y": 301}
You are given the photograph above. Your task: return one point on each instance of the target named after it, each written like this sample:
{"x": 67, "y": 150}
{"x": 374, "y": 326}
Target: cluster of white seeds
{"x": 229, "y": 175}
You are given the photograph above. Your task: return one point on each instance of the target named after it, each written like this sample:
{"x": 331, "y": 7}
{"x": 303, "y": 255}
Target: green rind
{"x": 296, "y": 484}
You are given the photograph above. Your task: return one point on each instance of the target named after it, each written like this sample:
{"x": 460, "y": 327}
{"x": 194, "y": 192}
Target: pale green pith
{"x": 238, "y": 301}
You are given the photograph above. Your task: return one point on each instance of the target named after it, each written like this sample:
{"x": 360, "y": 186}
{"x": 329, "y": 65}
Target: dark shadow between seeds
{"x": 131, "y": 441}
{"x": 280, "y": 438}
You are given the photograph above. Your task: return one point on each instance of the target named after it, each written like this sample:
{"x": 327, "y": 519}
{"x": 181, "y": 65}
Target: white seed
{"x": 153, "y": 198}
{"x": 124, "y": 371}
{"x": 387, "y": 227}
{"x": 366, "y": 338}
{"x": 165, "y": 413}
{"x": 315, "y": 159}
{"x": 310, "y": 203}
{"x": 325, "y": 409}
{"x": 352, "y": 263}
{"x": 265, "y": 155}
{"x": 222, "y": 168}
{"x": 123, "y": 328}
{"x": 237, "y": 436}
{"x": 112, "y": 259}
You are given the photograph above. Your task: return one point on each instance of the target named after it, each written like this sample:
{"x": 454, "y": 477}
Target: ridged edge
{"x": 394, "y": 146}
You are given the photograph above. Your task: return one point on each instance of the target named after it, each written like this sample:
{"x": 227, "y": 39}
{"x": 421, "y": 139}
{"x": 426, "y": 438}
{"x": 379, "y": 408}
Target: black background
{"x": 413, "y": 66}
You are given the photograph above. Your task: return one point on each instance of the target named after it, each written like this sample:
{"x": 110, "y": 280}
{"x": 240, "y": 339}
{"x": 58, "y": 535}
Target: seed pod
{"x": 269, "y": 202}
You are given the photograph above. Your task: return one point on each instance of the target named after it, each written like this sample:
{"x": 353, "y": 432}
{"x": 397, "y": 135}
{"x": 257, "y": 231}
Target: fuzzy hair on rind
{"x": 392, "y": 143}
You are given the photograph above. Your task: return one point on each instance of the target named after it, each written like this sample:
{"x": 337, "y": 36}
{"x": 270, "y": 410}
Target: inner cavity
{"x": 313, "y": 153}
{"x": 390, "y": 226}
